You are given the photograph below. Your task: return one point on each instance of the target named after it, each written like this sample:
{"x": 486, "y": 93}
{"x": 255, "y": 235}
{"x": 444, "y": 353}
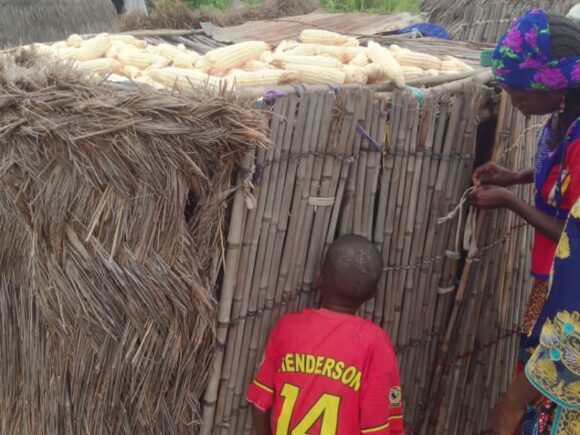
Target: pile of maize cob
{"x": 320, "y": 57}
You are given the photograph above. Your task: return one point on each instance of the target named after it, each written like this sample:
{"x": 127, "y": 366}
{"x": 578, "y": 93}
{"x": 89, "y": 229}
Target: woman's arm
{"x": 549, "y": 226}
{"x": 524, "y": 177}
{"x": 491, "y": 197}
{"x": 512, "y": 407}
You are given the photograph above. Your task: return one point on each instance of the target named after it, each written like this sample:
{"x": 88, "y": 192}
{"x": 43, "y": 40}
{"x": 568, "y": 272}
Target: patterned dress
{"x": 554, "y": 368}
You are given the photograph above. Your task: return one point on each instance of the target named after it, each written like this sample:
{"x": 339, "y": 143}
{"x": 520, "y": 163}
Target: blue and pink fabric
{"x": 522, "y": 59}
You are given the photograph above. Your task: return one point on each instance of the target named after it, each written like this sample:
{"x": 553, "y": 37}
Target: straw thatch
{"x": 176, "y": 14}
{"x": 26, "y": 21}
{"x": 454, "y": 15}
{"x": 112, "y": 203}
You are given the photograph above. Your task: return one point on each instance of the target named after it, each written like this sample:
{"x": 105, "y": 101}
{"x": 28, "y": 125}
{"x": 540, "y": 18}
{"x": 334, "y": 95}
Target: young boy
{"x": 326, "y": 371}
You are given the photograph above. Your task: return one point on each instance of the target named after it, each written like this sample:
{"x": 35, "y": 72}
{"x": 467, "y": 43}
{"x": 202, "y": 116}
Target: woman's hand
{"x": 493, "y": 173}
{"x": 490, "y": 197}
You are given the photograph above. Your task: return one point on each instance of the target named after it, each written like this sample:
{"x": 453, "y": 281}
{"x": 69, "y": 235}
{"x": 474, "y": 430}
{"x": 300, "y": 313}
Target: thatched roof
{"x": 26, "y": 21}
{"x": 111, "y": 211}
{"x": 451, "y": 14}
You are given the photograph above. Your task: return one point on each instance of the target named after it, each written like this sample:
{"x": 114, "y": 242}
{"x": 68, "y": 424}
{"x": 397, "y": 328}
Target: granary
{"x": 165, "y": 220}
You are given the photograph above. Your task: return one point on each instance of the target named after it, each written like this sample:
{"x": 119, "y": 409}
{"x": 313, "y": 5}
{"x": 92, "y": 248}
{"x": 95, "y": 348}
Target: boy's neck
{"x": 339, "y": 308}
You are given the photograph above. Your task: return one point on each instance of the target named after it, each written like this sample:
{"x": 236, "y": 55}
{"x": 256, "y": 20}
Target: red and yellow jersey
{"x": 327, "y": 373}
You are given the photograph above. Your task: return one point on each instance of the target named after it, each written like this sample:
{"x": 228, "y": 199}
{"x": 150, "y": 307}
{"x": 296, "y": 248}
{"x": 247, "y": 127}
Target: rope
{"x": 458, "y": 210}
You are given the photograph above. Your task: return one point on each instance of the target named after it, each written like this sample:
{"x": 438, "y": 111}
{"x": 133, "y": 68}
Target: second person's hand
{"x": 494, "y": 173}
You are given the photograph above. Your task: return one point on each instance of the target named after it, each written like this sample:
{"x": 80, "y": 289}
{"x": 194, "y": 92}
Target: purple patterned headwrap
{"x": 522, "y": 58}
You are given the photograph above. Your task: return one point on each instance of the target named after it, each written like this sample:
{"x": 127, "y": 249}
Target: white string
{"x": 457, "y": 210}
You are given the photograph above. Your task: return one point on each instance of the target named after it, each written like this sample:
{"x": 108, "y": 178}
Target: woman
{"x": 554, "y": 369}
{"x": 538, "y": 63}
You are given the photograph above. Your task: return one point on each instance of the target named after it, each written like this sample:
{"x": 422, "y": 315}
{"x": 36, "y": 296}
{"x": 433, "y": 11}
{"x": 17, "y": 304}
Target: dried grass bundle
{"x": 107, "y": 306}
{"x": 178, "y": 15}
{"x": 452, "y": 15}
{"x": 26, "y": 21}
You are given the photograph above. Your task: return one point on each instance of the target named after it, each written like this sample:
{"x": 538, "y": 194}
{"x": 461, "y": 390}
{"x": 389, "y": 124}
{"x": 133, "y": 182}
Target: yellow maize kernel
{"x": 385, "y": 59}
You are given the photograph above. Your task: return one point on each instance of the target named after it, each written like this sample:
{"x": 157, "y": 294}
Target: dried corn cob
{"x": 140, "y": 59}
{"x": 99, "y": 66}
{"x": 355, "y": 74}
{"x": 315, "y": 36}
{"x": 146, "y": 80}
{"x": 420, "y": 60}
{"x": 128, "y": 40}
{"x": 183, "y": 79}
{"x": 412, "y": 72}
{"x": 178, "y": 58}
{"x": 93, "y": 48}
{"x": 374, "y": 72}
{"x": 285, "y": 45}
{"x": 60, "y": 45}
{"x": 314, "y": 75}
{"x": 432, "y": 72}
{"x": 267, "y": 57}
{"x": 282, "y": 61}
{"x": 352, "y": 42}
{"x": 43, "y": 49}
{"x": 232, "y": 56}
{"x": 385, "y": 59}
{"x": 360, "y": 59}
{"x": 344, "y": 54}
{"x": 74, "y": 41}
{"x": 256, "y": 65}
{"x": 459, "y": 64}
{"x": 132, "y": 71}
{"x": 261, "y": 78}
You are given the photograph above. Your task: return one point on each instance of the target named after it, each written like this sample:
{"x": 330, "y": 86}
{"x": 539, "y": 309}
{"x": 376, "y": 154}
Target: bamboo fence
{"x": 385, "y": 165}
{"x": 488, "y": 20}
{"x": 477, "y": 353}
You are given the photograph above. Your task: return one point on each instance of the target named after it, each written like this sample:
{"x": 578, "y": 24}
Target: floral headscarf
{"x": 522, "y": 58}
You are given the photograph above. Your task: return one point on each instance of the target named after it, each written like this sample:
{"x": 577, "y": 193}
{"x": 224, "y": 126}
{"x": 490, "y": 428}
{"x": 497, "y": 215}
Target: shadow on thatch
{"x": 107, "y": 309}
{"x": 178, "y": 15}
{"x": 26, "y": 21}
{"x": 451, "y": 14}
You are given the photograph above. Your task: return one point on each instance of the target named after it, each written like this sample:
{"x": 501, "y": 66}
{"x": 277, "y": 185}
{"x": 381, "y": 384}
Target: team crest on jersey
{"x": 395, "y": 397}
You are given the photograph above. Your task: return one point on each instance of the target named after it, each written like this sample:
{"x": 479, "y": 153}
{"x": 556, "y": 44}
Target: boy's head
{"x": 350, "y": 271}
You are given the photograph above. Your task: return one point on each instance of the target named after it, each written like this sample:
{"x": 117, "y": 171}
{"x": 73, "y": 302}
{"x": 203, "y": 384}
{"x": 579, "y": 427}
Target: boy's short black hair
{"x": 351, "y": 269}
